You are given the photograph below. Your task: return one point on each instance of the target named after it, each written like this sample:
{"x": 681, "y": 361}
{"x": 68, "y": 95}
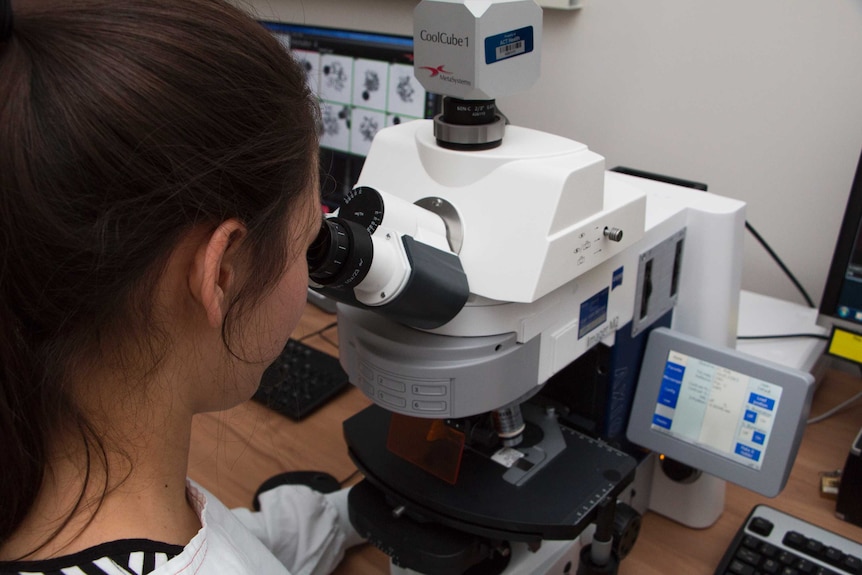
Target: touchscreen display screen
{"x": 716, "y": 408}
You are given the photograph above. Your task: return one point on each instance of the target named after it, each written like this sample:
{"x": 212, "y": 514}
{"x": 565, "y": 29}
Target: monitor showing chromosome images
{"x": 364, "y": 82}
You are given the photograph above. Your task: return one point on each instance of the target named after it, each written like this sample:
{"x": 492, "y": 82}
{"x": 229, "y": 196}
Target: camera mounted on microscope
{"x": 472, "y": 52}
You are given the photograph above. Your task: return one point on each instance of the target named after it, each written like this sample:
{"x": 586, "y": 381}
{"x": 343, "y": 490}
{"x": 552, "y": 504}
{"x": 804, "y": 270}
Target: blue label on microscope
{"x": 594, "y": 312}
{"x": 508, "y": 44}
{"x": 617, "y": 279}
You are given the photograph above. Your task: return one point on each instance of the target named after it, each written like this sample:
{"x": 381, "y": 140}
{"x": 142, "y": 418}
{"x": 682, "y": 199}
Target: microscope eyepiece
{"x": 340, "y": 255}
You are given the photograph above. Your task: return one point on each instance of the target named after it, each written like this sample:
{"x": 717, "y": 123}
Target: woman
{"x": 158, "y": 191}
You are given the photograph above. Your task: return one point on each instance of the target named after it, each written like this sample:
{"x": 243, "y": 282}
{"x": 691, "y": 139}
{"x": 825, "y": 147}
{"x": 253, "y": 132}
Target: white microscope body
{"x": 481, "y": 259}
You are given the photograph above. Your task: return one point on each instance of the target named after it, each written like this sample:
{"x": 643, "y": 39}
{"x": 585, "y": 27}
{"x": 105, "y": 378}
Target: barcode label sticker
{"x": 511, "y": 49}
{"x": 508, "y": 44}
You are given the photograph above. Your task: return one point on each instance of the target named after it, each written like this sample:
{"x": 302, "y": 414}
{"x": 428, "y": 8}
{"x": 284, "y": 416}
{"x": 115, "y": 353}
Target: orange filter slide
{"x": 429, "y": 444}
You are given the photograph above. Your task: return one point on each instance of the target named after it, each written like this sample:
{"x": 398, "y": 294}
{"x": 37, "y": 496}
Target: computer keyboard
{"x": 300, "y": 380}
{"x": 773, "y": 542}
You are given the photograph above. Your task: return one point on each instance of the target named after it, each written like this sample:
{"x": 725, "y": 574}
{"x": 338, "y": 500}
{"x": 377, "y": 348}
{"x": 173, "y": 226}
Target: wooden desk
{"x": 233, "y": 452}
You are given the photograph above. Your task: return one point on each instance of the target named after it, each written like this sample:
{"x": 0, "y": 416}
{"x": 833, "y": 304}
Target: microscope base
{"x": 553, "y": 558}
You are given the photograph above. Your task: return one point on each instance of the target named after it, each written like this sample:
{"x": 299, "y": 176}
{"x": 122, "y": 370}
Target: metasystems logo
{"x": 443, "y": 74}
{"x": 435, "y": 71}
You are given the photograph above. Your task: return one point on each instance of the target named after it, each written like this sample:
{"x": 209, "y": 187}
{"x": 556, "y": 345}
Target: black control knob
{"x": 627, "y": 527}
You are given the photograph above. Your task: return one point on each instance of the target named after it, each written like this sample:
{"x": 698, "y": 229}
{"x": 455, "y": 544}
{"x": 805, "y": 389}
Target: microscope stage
{"x": 558, "y": 502}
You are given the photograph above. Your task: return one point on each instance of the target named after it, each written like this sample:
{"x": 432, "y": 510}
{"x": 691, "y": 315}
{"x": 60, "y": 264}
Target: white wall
{"x": 761, "y": 99}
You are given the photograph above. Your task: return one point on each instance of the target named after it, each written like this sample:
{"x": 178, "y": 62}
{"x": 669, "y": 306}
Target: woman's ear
{"x": 214, "y": 269}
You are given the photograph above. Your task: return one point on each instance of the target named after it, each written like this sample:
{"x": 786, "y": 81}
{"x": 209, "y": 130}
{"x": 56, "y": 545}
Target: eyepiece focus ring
{"x": 341, "y": 254}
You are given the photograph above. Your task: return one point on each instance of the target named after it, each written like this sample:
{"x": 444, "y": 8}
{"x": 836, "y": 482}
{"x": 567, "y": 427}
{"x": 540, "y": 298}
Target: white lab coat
{"x": 297, "y": 532}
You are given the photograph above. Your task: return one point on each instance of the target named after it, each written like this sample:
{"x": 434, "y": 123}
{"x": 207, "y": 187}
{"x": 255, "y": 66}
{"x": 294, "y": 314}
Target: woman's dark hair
{"x": 124, "y": 124}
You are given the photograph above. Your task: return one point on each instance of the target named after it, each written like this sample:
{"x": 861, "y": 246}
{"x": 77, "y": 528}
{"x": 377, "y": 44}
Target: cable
{"x": 837, "y": 408}
{"x": 331, "y": 342}
{"x": 320, "y": 333}
{"x": 786, "y": 336}
{"x": 349, "y": 478}
{"x": 834, "y": 410}
{"x": 780, "y": 263}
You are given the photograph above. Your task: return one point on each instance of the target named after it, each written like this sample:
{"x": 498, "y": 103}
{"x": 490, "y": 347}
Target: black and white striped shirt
{"x": 126, "y": 557}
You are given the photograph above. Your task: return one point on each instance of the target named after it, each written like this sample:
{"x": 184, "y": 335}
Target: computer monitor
{"x": 365, "y": 82}
{"x": 841, "y": 305}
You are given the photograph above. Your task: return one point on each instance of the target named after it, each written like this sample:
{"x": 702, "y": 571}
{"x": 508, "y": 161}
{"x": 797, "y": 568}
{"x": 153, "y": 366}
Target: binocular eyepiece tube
{"x": 381, "y": 269}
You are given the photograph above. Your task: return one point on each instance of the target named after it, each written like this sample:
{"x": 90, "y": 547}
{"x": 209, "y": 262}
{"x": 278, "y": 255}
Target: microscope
{"x": 495, "y": 287}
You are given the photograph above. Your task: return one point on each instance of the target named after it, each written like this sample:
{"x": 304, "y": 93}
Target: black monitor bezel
{"x": 851, "y": 225}
{"x": 363, "y": 40}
